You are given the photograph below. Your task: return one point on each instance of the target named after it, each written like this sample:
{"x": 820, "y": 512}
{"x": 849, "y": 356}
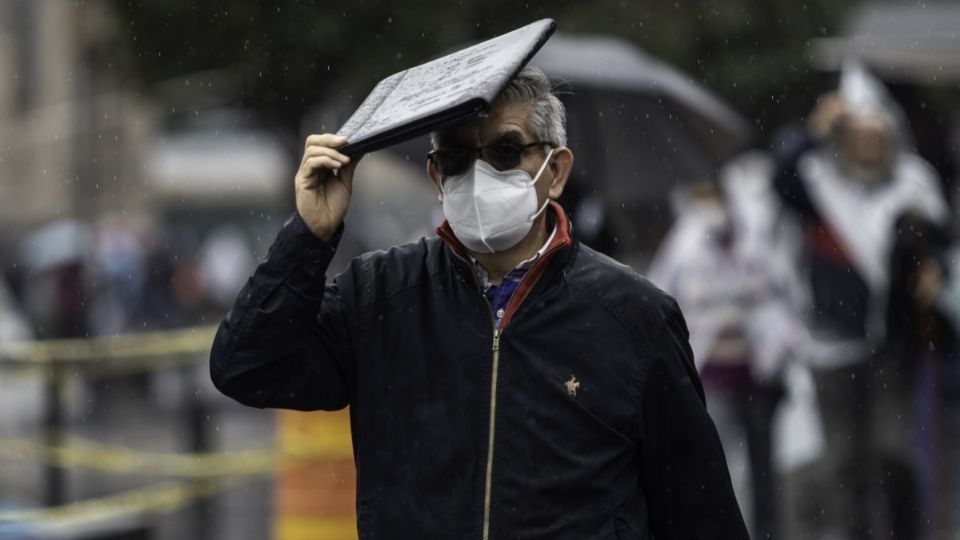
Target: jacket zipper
{"x": 497, "y": 332}
{"x": 491, "y": 425}
{"x": 488, "y": 483}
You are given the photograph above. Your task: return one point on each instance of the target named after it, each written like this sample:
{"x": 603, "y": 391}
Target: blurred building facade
{"x": 69, "y": 138}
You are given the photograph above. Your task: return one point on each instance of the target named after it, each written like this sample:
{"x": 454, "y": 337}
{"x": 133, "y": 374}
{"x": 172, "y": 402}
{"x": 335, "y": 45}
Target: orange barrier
{"x": 316, "y": 482}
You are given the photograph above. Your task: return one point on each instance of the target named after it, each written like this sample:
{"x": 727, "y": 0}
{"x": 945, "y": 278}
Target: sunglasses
{"x": 502, "y": 155}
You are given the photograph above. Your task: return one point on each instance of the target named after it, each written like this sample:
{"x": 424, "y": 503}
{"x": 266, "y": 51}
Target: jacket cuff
{"x": 303, "y": 256}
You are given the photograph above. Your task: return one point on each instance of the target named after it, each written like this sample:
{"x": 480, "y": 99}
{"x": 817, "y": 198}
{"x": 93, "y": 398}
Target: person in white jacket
{"x": 711, "y": 264}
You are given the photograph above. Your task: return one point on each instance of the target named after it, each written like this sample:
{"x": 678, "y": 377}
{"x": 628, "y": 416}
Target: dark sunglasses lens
{"x": 452, "y": 162}
{"x": 503, "y": 156}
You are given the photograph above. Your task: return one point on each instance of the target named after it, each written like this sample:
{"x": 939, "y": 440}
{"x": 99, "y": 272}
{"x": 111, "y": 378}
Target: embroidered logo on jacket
{"x": 572, "y": 386}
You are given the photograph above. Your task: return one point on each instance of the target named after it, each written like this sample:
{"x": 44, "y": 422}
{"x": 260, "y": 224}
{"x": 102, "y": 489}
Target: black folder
{"x": 442, "y": 92}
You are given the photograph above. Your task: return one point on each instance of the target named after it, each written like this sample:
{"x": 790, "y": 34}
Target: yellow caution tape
{"x": 76, "y": 452}
{"x": 79, "y": 453}
{"x": 161, "y": 498}
{"x": 210, "y": 471}
{"x": 158, "y": 346}
{"x": 207, "y": 473}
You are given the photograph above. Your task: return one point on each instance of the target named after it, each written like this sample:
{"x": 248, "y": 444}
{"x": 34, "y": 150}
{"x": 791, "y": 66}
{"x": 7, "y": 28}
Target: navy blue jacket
{"x": 581, "y": 418}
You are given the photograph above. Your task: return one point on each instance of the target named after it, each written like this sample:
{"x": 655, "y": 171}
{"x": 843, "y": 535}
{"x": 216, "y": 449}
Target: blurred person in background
{"x": 119, "y": 267}
{"x": 13, "y": 325}
{"x": 225, "y": 262}
{"x": 946, "y": 285}
{"x": 176, "y": 289}
{"x": 921, "y": 347}
{"x": 19, "y": 395}
{"x": 722, "y": 275}
{"x": 847, "y": 184}
{"x": 55, "y": 281}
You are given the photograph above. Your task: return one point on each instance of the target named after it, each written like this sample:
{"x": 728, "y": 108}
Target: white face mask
{"x": 491, "y": 210}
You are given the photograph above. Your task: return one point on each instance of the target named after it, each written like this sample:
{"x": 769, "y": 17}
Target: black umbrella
{"x": 637, "y": 127}
{"x": 613, "y": 66}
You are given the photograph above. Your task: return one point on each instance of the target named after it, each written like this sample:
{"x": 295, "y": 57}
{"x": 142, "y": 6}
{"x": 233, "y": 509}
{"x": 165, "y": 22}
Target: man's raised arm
{"x": 285, "y": 342}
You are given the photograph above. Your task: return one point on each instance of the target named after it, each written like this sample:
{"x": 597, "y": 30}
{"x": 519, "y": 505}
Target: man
{"x": 504, "y": 381}
{"x": 848, "y": 190}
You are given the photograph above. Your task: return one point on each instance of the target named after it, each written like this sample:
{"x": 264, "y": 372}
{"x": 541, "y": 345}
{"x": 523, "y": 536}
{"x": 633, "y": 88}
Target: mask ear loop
{"x": 546, "y": 160}
{"x": 538, "y": 212}
{"x": 534, "y": 182}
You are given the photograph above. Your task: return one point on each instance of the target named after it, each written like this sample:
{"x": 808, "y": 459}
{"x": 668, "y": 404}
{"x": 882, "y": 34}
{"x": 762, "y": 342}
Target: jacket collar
{"x": 560, "y": 248}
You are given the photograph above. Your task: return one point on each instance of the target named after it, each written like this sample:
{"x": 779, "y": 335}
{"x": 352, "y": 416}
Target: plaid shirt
{"x": 499, "y": 294}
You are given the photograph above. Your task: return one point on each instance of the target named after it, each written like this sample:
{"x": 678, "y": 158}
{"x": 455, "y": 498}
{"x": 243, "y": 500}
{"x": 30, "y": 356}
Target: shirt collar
{"x": 517, "y": 271}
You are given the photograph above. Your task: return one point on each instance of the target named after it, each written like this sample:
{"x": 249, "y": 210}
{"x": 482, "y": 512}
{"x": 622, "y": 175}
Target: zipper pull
{"x": 496, "y": 340}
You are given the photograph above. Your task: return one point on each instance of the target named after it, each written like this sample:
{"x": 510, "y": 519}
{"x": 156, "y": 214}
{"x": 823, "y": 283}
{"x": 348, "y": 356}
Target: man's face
{"x": 509, "y": 123}
{"x": 708, "y": 204}
{"x": 866, "y": 143}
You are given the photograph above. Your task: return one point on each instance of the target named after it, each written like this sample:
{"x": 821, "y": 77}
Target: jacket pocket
{"x": 599, "y": 421}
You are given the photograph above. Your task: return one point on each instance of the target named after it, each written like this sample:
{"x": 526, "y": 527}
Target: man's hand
{"x": 324, "y": 183}
{"x": 828, "y": 110}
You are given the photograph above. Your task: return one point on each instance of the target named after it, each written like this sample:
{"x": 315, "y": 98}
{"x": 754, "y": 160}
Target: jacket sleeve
{"x": 285, "y": 343}
{"x": 685, "y": 477}
{"x": 791, "y": 144}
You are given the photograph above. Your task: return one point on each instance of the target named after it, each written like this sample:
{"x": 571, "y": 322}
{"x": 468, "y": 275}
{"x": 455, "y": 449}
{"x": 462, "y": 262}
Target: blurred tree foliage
{"x": 291, "y": 54}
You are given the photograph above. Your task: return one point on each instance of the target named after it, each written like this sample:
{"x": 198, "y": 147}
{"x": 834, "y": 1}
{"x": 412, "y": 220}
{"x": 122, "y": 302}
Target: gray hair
{"x": 548, "y": 119}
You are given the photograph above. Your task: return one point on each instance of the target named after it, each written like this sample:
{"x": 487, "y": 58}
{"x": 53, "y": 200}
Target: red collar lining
{"x": 561, "y": 239}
